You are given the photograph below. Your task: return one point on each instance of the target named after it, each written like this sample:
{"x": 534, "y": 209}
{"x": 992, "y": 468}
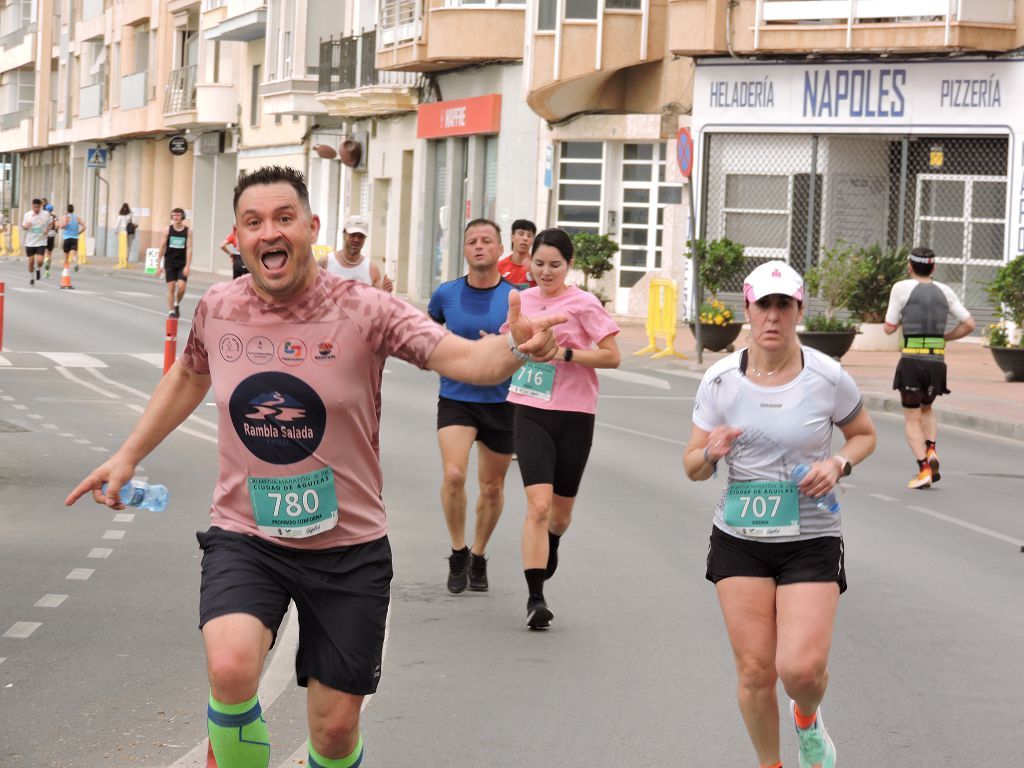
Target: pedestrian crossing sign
{"x": 95, "y": 158}
{"x": 152, "y": 260}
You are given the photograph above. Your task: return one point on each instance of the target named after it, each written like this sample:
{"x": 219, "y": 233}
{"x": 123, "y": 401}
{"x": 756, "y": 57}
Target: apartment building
{"x": 868, "y": 123}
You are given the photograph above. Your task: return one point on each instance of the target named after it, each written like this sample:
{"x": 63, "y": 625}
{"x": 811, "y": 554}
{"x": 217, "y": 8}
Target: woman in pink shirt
{"x": 555, "y": 406}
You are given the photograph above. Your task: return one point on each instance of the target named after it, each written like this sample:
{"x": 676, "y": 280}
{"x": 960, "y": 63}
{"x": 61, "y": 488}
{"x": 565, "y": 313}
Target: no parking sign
{"x": 684, "y": 152}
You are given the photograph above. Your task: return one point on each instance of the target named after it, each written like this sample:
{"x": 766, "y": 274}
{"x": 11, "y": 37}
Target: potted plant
{"x": 1007, "y": 292}
{"x": 592, "y": 255}
{"x": 877, "y": 271}
{"x": 834, "y": 278}
{"x": 719, "y": 262}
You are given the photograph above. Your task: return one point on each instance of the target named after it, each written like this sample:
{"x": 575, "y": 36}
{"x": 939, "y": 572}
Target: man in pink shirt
{"x": 294, "y": 356}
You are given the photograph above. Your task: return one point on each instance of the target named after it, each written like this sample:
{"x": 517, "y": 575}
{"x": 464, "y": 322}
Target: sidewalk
{"x": 981, "y": 400}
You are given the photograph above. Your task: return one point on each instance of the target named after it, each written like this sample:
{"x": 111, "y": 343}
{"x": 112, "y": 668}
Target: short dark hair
{"x": 556, "y": 238}
{"x": 36, "y": 201}
{"x": 273, "y": 174}
{"x": 483, "y": 222}
{"x": 922, "y": 261}
{"x": 125, "y": 210}
{"x": 179, "y": 210}
{"x": 71, "y": 207}
{"x": 524, "y": 224}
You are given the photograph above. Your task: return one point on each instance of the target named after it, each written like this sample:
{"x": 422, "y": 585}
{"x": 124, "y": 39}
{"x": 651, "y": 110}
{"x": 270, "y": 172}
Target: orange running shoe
{"x": 923, "y": 479}
{"x": 933, "y": 462}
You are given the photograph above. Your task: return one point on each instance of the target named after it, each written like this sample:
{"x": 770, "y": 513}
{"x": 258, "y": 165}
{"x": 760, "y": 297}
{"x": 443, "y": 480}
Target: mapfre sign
{"x": 459, "y": 117}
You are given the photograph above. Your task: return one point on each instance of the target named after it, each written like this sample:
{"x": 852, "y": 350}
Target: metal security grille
{"x": 790, "y": 196}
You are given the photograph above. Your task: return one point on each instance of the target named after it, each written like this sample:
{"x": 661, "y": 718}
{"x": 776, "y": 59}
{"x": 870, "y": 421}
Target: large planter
{"x": 1010, "y": 361}
{"x": 873, "y": 338}
{"x": 715, "y": 338}
{"x": 832, "y": 343}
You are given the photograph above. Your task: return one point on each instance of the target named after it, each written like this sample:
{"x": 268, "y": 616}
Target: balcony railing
{"x": 851, "y": 13}
{"x": 349, "y": 63}
{"x": 90, "y": 101}
{"x": 181, "y": 90}
{"x": 399, "y": 21}
{"x": 133, "y": 91}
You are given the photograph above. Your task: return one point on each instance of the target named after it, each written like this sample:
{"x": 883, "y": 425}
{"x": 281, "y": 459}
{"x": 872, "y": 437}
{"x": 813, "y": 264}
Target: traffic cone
{"x": 65, "y": 279}
{"x": 211, "y": 761}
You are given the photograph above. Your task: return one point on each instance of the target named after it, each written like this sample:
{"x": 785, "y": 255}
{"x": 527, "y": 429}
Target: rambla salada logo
{"x": 278, "y": 417}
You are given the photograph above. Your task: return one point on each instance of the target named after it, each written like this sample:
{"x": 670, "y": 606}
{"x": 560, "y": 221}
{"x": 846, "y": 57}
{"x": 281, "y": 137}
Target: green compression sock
{"x": 238, "y": 734}
{"x": 316, "y": 760}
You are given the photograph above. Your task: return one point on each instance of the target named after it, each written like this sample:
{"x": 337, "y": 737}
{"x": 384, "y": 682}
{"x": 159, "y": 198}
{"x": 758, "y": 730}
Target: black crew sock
{"x": 535, "y": 582}
{"x": 929, "y": 444}
{"x": 553, "y": 541}
{"x": 922, "y": 464}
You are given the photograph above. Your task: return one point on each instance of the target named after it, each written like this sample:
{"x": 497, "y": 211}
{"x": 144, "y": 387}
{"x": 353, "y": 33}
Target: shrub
{"x": 1007, "y": 291}
{"x": 877, "y": 271}
{"x": 592, "y": 255}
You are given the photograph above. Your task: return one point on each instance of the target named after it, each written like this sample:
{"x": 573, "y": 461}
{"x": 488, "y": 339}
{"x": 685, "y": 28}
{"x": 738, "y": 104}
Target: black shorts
{"x": 51, "y": 240}
{"x": 172, "y": 272}
{"x": 492, "y": 421}
{"x": 35, "y": 250}
{"x": 70, "y": 244}
{"x": 920, "y": 379}
{"x": 342, "y": 595}
{"x": 553, "y": 447}
{"x": 238, "y": 267}
{"x": 788, "y": 562}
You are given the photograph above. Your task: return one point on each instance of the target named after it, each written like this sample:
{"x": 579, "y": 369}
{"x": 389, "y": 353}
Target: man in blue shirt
{"x": 472, "y": 306}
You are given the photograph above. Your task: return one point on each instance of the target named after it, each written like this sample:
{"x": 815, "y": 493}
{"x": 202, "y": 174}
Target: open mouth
{"x": 274, "y": 259}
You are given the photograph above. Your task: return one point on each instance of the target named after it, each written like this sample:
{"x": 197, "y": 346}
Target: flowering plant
{"x": 715, "y": 312}
{"x": 998, "y": 336}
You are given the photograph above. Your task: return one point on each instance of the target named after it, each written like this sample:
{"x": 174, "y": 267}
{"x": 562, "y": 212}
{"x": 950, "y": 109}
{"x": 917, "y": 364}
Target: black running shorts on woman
{"x": 788, "y": 562}
{"x": 492, "y": 421}
{"x": 342, "y": 595}
{"x": 553, "y": 447}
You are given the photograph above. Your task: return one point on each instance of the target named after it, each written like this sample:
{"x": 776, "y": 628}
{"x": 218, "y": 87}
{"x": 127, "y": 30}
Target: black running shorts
{"x": 920, "y": 379}
{"x": 342, "y": 595}
{"x": 492, "y": 421}
{"x": 788, "y": 562}
{"x": 70, "y": 244}
{"x": 35, "y": 250}
{"x": 173, "y": 270}
{"x": 553, "y": 447}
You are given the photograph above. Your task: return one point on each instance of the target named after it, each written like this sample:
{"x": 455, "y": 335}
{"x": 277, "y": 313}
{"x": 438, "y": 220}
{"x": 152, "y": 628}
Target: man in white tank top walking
{"x": 350, "y": 263}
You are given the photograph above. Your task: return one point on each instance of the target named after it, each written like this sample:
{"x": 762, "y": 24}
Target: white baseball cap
{"x": 773, "y": 277}
{"x": 357, "y": 225}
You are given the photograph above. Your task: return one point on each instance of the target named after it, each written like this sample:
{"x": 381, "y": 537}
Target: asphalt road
{"x": 101, "y": 663}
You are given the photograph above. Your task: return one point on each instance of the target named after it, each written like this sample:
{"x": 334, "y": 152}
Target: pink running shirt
{"x": 575, "y": 387}
{"x": 315, "y": 366}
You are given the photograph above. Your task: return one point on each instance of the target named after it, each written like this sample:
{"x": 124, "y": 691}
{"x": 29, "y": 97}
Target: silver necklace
{"x": 759, "y": 373}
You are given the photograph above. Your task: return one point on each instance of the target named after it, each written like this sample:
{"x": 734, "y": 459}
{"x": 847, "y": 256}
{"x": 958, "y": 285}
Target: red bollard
{"x": 1, "y": 316}
{"x": 170, "y": 342}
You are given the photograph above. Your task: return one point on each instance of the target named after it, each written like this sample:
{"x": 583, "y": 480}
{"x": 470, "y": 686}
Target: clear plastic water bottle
{"x": 826, "y": 503}
{"x": 136, "y": 493}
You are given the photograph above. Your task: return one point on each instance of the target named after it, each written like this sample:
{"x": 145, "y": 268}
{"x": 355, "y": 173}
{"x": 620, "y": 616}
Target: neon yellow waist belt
{"x": 923, "y": 345}
{"x": 916, "y": 351}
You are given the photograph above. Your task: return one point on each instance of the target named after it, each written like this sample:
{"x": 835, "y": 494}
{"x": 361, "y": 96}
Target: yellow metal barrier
{"x": 322, "y": 251}
{"x": 661, "y": 319}
{"x": 3, "y": 244}
{"x": 15, "y": 239}
{"x": 122, "y": 250}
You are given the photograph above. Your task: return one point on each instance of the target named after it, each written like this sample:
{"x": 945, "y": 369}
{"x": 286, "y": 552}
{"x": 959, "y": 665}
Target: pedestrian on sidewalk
{"x": 35, "y": 223}
{"x": 176, "y": 250}
{"x": 126, "y": 223}
{"x": 922, "y": 306}
{"x": 516, "y": 266}
{"x": 776, "y": 556}
{"x": 230, "y": 246}
{"x": 473, "y": 306}
{"x": 73, "y": 228}
{"x": 297, "y": 510}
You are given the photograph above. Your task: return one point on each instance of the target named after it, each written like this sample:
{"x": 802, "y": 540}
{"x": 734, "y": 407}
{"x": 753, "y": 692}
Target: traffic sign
{"x": 684, "y": 152}
{"x": 178, "y": 145}
{"x": 95, "y": 158}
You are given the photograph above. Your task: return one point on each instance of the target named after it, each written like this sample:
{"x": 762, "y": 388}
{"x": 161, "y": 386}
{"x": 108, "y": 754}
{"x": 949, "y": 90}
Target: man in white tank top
{"x": 350, "y": 263}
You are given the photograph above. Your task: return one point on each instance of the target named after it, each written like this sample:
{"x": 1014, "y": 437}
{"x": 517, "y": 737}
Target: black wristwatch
{"x": 844, "y": 463}
{"x": 567, "y": 355}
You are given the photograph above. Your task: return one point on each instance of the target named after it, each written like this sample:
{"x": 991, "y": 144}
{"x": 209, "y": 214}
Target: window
{"x": 623, "y": 5}
{"x": 580, "y": 171}
{"x": 644, "y": 197}
{"x": 547, "y": 15}
{"x": 585, "y": 10}
{"x": 757, "y": 213}
{"x": 141, "y": 41}
{"x": 254, "y": 97}
{"x": 490, "y": 177}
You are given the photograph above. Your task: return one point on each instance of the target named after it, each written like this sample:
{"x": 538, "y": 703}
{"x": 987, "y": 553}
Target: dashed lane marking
{"x": 633, "y": 378}
{"x": 135, "y": 293}
{"x": 4, "y": 361}
{"x": 50, "y": 601}
{"x": 186, "y": 430}
{"x": 153, "y": 358}
{"x": 22, "y": 629}
{"x": 49, "y": 426}
{"x": 83, "y": 441}
{"x": 116, "y": 535}
{"x": 98, "y": 448}
{"x": 34, "y": 416}
{"x": 123, "y": 517}
{"x": 882, "y": 497}
{"x": 99, "y": 553}
{"x": 19, "y": 407}
{"x": 80, "y": 574}
{"x": 969, "y": 526}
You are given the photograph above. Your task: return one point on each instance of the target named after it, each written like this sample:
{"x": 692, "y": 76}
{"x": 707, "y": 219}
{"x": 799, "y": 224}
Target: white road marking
{"x": 80, "y": 574}
{"x": 135, "y": 293}
{"x": 33, "y": 415}
{"x": 50, "y": 426}
{"x": 98, "y": 448}
{"x": 50, "y": 601}
{"x": 74, "y": 360}
{"x": 8, "y": 398}
{"x": 882, "y": 497}
{"x": 66, "y": 434}
{"x": 153, "y": 358}
{"x": 641, "y": 434}
{"x": 113, "y": 534}
{"x": 969, "y": 526}
{"x": 25, "y": 368}
{"x": 19, "y": 407}
{"x": 645, "y": 397}
{"x": 123, "y": 517}
{"x": 99, "y": 553}
{"x": 3, "y": 659}
{"x": 22, "y": 629}
{"x": 634, "y": 378}
{"x": 68, "y": 375}
{"x": 4, "y": 361}
{"x": 83, "y": 441}
{"x": 119, "y": 385}
{"x": 685, "y": 374}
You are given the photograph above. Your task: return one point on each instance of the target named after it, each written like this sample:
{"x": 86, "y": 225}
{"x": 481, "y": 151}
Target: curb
{"x": 1008, "y": 429}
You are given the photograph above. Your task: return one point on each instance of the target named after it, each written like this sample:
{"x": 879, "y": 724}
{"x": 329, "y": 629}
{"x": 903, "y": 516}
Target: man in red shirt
{"x": 516, "y": 266}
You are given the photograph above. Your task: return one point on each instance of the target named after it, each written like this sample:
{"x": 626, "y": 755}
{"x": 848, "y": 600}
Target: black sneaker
{"x": 31, "y": 281}
{"x": 538, "y": 615}
{"x": 176, "y": 312}
{"x": 458, "y": 570}
{"x": 477, "y": 573}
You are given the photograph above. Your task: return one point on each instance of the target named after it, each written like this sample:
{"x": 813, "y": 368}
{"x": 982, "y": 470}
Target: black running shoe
{"x": 458, "y": 570}
{"x": 31, "y": 281}
{"x": 176, "y": 312}
{"x": 477, "y": 573}
{"x": 538, "y": 615}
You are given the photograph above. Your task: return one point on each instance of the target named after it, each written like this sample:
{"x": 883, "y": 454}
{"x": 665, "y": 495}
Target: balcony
{"x": 350, "y": 85}
{"x": 699, "y": 27}
{"x": 436, "y": 35}
{"x": 90, "y": 101}
{"x": 242, "y": 20}
{"x": 609, "y": 63}
{"x": 180, "y": 99}
{"x": 16, "y": 130}
{"x": 133, "y": 91}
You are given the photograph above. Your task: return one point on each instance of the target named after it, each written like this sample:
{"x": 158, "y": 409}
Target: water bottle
{"x": 826, "y": 503}
{"x": 136, "y": 493}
